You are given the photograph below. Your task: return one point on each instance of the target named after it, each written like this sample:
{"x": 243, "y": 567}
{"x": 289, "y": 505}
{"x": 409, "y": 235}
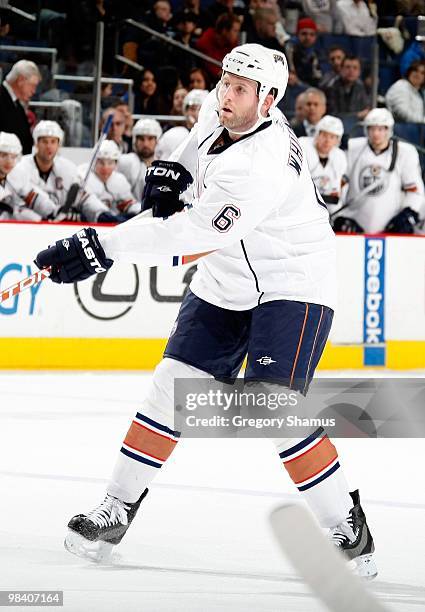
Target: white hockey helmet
{"x": 109, "y": 150}
{"x": 195, "y": 97}
{"x": 47, "y": 128}
{"x": 330, "y": 124}
{"x": 379, "y": 116}
{"x": 267, "y": 67}
{"x": 10, "y": 143}
{"x": 146, "y": 127}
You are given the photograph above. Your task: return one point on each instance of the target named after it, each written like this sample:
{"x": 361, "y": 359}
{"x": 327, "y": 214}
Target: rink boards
{"x": 122, "y": 320}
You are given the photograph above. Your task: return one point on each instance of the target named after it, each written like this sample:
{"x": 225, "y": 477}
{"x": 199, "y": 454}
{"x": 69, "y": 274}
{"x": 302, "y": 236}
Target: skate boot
{"x": 353, "y": 537}
{"x": 95, "y": 534}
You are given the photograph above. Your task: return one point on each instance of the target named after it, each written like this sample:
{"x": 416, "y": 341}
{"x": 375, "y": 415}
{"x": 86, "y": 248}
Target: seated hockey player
{"x": 145, "y": 135}
{"x": 19, "y": 198}
{"x": 173, "y": 137}
{"x": 385, "y": 188}
{"x": 326, "y": 161}
{"x": 264, "y": 288}
{"x": 110, "y": 186}
{"x": 57, "y": 177}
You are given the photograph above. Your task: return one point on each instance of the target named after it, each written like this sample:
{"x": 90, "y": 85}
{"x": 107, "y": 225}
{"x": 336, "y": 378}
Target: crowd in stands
{"x": 329, "y": 45}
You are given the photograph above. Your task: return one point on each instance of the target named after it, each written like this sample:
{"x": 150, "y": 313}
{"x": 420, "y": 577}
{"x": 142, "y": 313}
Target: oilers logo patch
{"x": 373, "y": 174}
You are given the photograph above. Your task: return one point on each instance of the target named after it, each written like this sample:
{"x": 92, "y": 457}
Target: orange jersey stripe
{"x": 145, "y": 440}
{"x": 189, "y": 258}
{"x": 311, "y": 462}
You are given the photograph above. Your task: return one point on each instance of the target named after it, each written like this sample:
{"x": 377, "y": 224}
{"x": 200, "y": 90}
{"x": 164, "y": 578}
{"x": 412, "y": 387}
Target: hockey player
{"x": 385, "y": 188}
{"x": 172, "y": 138}
{"x": 327, "y": 162}
{"x": 54, "y": 175}
{"x": 110, "y": 186}
{"x": 145, "y": 135}
{"x": 19, "y": 199}
{"x": 265, "y": 286}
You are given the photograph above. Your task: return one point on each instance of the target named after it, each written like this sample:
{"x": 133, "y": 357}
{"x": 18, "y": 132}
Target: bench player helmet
{"x": 10, "y": 143}
{"x": 47, "y": 128}
{"x": 330, "y": 124}
{"x": 109, "y": 150}
{"x": 267, "y": 67}
{"x": 379, "y": 116}
{"x": 195, "y": 97}
{"x": 146, "y": 127}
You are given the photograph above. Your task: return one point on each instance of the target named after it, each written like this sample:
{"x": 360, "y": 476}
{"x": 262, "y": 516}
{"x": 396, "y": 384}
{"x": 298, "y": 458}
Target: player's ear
{"x": 267, "y": 104}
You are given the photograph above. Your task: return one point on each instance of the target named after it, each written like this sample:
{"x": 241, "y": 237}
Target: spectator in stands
{"x": 326, "y": 161}
{"x": 336, "y": 56}
{"x": 347, "y": 95}
{"x": 185, "y": 24}
{"x": 299, "y": 110}
{"x": 414, "y": 52}
{"x": 405, "y": 97}
{"x": 218, "y": 41}
{"x": 215, "y": 10}
{"x": 124, "y": 108}
{"x": 19, "y": 199}
{"x": 194, "y": 6}
{"x": 116, "y": 132}
{"x": 325, "y": 15}
{"x": 178, "y": 97}
{"x": 199, "y": 79}
{"x": 15, "y": 92}
{"x": 301, "y": 54}
{"x": 358, "y": 17}
{"x": 146, "y": 133}
{"x": 315, "y": 109}
{"x": 293, "y": 91}
{"x": 264, "y": 21}
{"x": 146, "y": 95}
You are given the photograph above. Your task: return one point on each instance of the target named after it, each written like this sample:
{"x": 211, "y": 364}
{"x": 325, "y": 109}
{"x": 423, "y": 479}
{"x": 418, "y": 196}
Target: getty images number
{"x": 224, "y": 220}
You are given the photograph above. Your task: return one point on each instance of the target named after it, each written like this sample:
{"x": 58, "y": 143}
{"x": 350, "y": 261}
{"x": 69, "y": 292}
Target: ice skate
{"x": 353, "y": 537}
{"x": 95, "y": 534}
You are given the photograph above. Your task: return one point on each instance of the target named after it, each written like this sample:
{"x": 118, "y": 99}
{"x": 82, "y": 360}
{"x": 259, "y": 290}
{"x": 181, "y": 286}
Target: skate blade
{"x": 364, "y": 566}
{"x": 98, "y": 552}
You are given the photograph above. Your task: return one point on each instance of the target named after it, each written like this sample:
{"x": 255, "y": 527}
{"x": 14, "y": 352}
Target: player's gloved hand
{"x": 403, "y": 223}
{"x": 107, "y": 217}
{"x": 347, "y": 226}
{"x": 6, "y": 207}
{"x": 164, "y": 182}
{"x": 75, "y": 258}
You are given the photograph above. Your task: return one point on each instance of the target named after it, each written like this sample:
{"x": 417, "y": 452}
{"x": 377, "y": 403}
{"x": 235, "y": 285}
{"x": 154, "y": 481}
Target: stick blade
{"x": 316, "y": 559}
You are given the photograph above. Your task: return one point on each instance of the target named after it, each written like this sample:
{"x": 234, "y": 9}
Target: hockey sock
{"x": 313, "y": 465}
{"x": 146, "y": 447}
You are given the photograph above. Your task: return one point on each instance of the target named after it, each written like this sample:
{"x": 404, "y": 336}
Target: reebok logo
{"x": 265, "y": 361}
{"x": 164, "y": 188}
{"x": 65, "y": 243}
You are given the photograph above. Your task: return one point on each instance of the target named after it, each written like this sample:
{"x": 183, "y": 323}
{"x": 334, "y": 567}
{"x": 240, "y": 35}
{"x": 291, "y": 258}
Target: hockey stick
{"x": 319, "y": 563}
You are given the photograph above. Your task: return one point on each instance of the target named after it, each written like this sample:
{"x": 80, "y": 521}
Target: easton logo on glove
{"x": 167, "y": 172}
{"x": 89, "y": 252}
{"x": 165, "y": 181}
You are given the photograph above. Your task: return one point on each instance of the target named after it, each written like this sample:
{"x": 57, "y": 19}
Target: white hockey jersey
{"x": 374, "y": 206}
{"x": 327, "y": 178}
{"x": 115, "y": 194}
{"x": 26, "y": 201}
{"x": 134, "y": 170}
{"x": 255, "y": 209}
{"x": 62, "y": 175}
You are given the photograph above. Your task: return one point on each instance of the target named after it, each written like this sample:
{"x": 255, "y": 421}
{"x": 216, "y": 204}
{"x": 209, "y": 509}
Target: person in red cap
{"x": 302, "y": 56}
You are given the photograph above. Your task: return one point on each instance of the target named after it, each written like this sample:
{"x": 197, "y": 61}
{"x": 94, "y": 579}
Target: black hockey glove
{"x": 347, "y": 226}
{"x": 403, "y": 223}
{"x": 75, "y": 258}
{"x": 164, "y": 182}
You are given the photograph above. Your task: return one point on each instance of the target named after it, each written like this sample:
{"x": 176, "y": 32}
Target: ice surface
{"x": 201, "y": 541}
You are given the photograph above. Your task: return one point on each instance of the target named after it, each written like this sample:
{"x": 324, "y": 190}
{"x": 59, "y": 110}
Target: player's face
{"x": 47, "y": 147}
{"x": 378, "y": 136}
{"x": 145, "y": 146}
{"x": 192, "y": 113}
{"x": 325, "y": 142}
{"x": 104, "y": 168}
{"x": 238, "y": 102}
{"x": 7, "y": 162}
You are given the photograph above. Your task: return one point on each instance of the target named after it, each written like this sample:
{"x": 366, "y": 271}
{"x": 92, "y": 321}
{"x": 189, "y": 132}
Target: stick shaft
{"x": 24, "y": 284}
